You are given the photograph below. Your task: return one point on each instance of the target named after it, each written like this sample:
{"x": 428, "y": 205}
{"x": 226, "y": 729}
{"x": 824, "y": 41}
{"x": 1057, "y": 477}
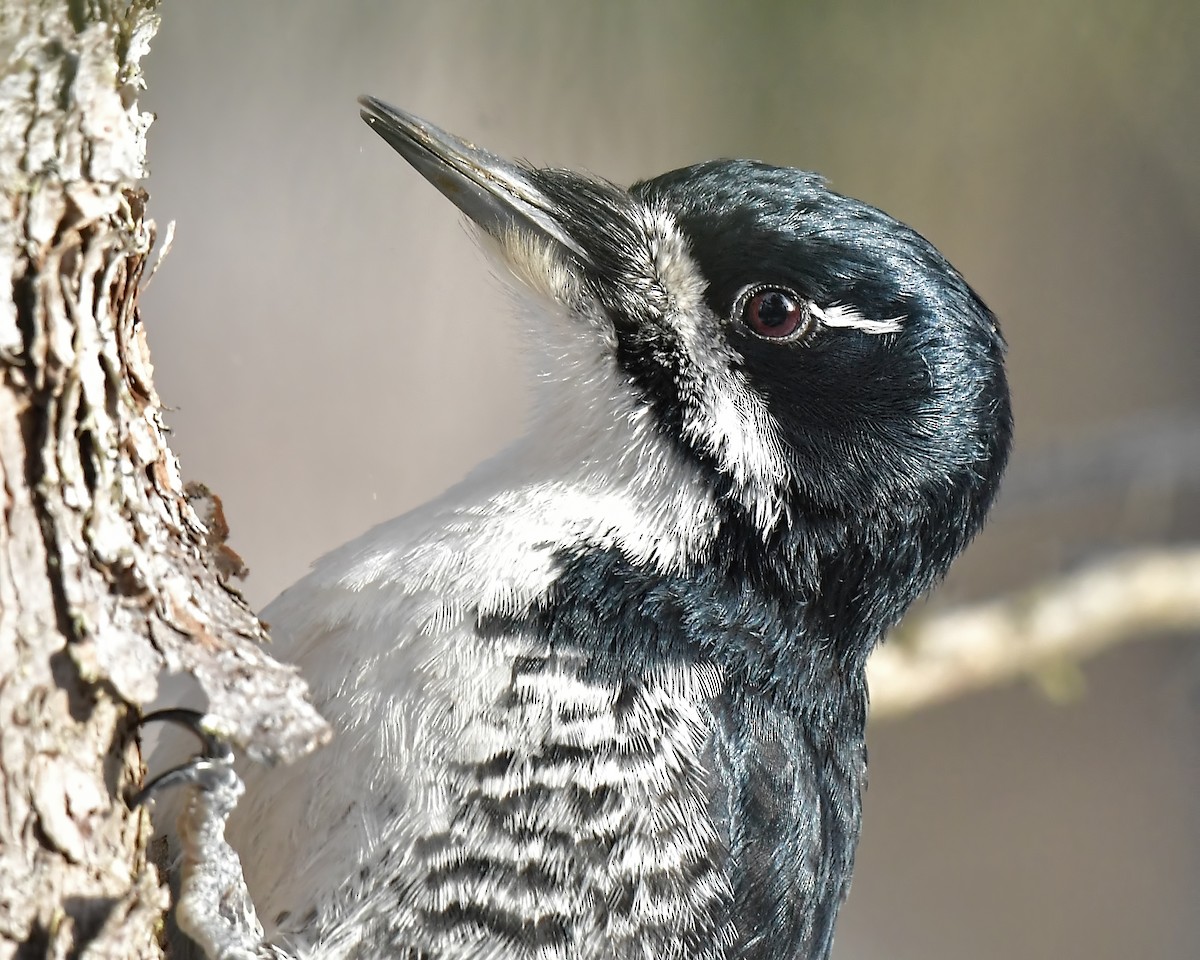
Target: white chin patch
{"x": 538, "y": 264}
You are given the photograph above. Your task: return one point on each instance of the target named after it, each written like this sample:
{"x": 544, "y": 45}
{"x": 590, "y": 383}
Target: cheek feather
{"x": 722, "y": 415}
{"x": 727, "y": 420}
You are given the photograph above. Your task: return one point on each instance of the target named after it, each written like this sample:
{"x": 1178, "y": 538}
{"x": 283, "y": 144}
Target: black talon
{"x": 214, "y": 759}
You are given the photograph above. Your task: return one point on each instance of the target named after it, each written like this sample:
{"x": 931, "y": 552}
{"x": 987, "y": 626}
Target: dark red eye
{"x": 776, "y": 314}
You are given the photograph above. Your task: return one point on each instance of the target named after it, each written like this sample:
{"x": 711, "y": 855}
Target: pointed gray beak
{"x": 495, "y": 193}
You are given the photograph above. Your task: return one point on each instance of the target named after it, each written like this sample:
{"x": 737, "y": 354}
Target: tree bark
{"x": 108, "y": 576}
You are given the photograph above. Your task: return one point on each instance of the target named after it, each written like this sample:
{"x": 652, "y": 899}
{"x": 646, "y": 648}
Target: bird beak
{"x": 495, "y": 193}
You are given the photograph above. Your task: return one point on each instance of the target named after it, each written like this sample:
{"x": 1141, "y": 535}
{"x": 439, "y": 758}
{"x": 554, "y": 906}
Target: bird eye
{"x": 775, "y": 314}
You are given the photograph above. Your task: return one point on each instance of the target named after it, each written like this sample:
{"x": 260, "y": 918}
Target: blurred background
{"x": 335, "y": 352}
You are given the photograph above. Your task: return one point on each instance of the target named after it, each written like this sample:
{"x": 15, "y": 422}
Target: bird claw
{"x": 207, "y": 770}
{"x": 214, "y": 907}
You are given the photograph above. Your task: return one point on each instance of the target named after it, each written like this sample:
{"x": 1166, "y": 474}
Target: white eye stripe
{"x": 840, "y": 315}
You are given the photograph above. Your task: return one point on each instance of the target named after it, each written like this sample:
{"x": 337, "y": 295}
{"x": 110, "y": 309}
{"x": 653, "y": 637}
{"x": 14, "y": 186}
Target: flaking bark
{"x": 108, "y": 577}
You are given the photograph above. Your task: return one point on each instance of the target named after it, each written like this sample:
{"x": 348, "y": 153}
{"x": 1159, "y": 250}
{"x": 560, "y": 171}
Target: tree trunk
{"x": 108, "y": 576}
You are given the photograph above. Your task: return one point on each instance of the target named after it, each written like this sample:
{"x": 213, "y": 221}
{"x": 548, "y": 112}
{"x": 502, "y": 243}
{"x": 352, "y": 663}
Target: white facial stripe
{"x": 841, "y": 315}
{"x": 723, "y": 415}
{"x": 675, "y": 272}
{"x": 727, "y": 419}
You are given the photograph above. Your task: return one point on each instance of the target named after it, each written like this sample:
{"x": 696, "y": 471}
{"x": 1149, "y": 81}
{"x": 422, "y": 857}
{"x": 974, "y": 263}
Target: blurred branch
{"x": 1161, "y": 450}
{"x": 1125, "y": 597}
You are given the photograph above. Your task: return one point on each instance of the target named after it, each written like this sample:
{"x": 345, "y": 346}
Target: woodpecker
{"x": 606, "y": 698}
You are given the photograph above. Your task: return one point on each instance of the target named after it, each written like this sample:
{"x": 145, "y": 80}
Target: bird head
{"x": 831, "y": 374}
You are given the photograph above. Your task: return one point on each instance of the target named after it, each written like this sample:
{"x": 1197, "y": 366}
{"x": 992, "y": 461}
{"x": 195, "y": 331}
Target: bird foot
{"x": 203, "y": 770}
{"x": 214, "y": 907}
